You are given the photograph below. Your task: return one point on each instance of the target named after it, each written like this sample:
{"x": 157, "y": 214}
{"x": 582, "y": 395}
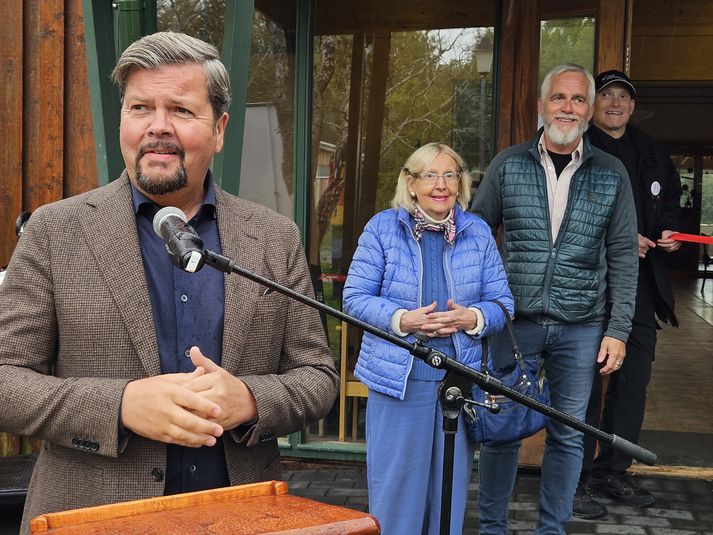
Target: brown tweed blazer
{"x": 76, "y": 325}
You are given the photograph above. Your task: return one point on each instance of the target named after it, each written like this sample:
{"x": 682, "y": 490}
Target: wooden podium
{"x": 242, "y": 510}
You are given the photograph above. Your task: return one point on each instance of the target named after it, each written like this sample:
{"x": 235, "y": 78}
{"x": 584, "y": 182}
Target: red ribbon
{"x": 695, "y": 238}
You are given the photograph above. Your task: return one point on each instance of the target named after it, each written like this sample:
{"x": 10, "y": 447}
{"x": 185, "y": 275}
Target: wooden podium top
{"x": 242, "y": 510}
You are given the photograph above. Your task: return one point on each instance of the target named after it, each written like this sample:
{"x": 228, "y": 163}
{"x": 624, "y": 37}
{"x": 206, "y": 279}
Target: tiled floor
{"x": 680, "y": 394}
{"x": 684, "y": 505}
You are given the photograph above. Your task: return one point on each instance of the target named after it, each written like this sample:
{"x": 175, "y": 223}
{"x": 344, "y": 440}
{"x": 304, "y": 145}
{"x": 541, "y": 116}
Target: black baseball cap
{"x": 612, "y": 77}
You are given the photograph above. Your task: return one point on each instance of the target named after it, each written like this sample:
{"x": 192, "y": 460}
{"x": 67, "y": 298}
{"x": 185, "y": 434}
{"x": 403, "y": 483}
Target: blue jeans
{"x": 569, "y": 354}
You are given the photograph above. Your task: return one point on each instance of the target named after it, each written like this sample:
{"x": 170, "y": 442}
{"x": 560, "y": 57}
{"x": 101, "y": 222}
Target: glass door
{"x": 383, "y": 86}
{"x": 695, "y": 167}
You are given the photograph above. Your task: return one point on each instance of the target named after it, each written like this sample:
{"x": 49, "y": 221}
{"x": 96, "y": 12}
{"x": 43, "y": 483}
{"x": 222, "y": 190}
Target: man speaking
{"x": 143, "y": 379}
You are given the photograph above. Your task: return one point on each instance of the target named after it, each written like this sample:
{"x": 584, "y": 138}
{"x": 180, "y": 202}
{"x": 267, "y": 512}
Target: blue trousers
{"x": 569, "y": 354}
{"x": 404, "y": 456}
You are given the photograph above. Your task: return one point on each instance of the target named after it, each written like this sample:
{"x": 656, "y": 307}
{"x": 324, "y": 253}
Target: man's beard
{"x": 161, "y": 186}
{"x": 154, "y": 186}
{"x": 559, "y": 137}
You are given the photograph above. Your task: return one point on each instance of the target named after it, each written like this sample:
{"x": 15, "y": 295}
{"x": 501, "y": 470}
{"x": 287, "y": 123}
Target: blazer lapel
{"x": 110, "y": 229}
{"x": 243, "y": 244}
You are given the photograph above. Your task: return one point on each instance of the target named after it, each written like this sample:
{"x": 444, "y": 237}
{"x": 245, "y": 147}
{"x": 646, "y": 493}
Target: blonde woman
{"x": 425, "y": 265}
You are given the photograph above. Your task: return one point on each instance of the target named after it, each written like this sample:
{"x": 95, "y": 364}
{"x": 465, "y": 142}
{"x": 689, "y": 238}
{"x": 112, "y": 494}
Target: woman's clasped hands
{"x": 439, "y": 324}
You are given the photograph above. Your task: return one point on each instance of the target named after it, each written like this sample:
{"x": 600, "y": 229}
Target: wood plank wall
{"x": 46, "y": 129}
{"x": 10, "y": 129}
{"x": 672, "y": 40}
{"x": 519, "y": 60}
{"x": 46, "y": 136}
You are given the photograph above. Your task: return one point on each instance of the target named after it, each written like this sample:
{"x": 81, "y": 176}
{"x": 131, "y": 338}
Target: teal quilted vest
{"x": 560, "y": 280}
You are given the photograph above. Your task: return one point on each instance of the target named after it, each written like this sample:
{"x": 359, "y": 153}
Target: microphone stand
{"x": 452, "y": 391}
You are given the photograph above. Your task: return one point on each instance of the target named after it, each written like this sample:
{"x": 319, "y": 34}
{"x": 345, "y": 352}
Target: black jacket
{"x": 660, "y": 186}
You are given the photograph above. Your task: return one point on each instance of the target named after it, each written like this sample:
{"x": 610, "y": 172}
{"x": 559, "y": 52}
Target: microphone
{"x": 182, "y": 242}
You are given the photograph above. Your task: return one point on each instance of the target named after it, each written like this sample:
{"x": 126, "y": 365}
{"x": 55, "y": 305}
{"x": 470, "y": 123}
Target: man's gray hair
{"x": 170, "y": 48}
{"x": 561, "y": 69}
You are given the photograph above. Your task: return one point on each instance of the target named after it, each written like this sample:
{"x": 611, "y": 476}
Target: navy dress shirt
{"x": 187, "y": 311}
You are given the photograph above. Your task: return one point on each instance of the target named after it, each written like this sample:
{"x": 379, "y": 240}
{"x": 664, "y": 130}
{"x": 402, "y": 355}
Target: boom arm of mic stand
{"x": 439, "y": 360}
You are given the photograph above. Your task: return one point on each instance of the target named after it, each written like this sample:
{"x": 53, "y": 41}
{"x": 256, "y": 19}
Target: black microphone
{"x": 182, "y": 242}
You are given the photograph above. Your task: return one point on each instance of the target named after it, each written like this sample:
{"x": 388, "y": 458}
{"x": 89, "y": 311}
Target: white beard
{"x": 559, "y": 137}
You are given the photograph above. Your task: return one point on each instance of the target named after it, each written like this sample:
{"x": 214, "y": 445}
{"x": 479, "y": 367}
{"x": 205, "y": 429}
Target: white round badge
{"x": 655, "y": 188}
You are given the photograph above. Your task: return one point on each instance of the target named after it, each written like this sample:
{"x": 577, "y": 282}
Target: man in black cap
{"x": 657, "y": 190}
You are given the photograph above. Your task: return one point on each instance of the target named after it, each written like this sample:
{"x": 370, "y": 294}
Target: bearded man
{"x": 144, "y": 380}
{"x": 569, "y": 245}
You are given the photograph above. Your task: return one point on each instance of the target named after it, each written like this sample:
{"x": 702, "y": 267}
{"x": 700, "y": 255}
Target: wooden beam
{"x": 688, "y": 472}
{"x": 345, "y": 17}
{"x": 672, "y": 40}
{"x": 11, "y": 127}
{"x": 527, "y": 59}
{"x": 611, "y": 31}
{"x": 627, "y": 37}
{"x": 44, "y": 102}
{"x": 673, "y": 18}
{"x": 506, "y": 72}
{"x": 80, "y": 163}
{"x": 556, "y": 9}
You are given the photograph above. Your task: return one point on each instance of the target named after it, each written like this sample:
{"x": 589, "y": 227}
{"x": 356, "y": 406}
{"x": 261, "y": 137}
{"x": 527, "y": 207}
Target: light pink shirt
{"x": 558, "y": 188}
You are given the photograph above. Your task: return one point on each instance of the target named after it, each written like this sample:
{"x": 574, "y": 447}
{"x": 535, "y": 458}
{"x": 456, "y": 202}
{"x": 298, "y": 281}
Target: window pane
{"x": 381, "y": 90}
{"x": 696, "y": 172}
{"x": 707, "y": 196}
{"x": 330, "y": 111}
{"x": 566, "y": 41}
{"x": 685, "y": 164}
{"x": 266, "y": 165}
{"x": 200, "y": 18}
{"x": 435, "y": 92}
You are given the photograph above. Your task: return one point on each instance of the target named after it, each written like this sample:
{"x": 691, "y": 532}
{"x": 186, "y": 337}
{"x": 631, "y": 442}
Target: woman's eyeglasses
{"x": 451, "y": 177}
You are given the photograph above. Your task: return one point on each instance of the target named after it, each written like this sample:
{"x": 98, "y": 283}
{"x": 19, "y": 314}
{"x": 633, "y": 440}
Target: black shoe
{"x": 586, "y": 507}
{"x": 622, "y": 488}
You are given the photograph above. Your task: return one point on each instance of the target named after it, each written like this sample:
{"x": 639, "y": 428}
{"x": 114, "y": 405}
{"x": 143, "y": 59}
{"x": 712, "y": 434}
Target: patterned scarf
{"x": 447, "y": 226}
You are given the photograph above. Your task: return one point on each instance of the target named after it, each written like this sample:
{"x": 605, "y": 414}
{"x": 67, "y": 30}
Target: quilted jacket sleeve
{"x": 362, "y": 289}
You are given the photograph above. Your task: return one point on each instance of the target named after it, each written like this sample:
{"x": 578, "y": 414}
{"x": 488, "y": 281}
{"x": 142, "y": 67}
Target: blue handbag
{"x": 514, "y": 421}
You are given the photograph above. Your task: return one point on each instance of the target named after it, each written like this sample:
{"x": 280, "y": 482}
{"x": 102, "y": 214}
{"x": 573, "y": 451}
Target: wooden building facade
{"x": 336, "y": 73}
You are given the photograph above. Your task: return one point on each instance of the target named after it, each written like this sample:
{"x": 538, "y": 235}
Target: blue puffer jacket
{"x": 386, "y": 275}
